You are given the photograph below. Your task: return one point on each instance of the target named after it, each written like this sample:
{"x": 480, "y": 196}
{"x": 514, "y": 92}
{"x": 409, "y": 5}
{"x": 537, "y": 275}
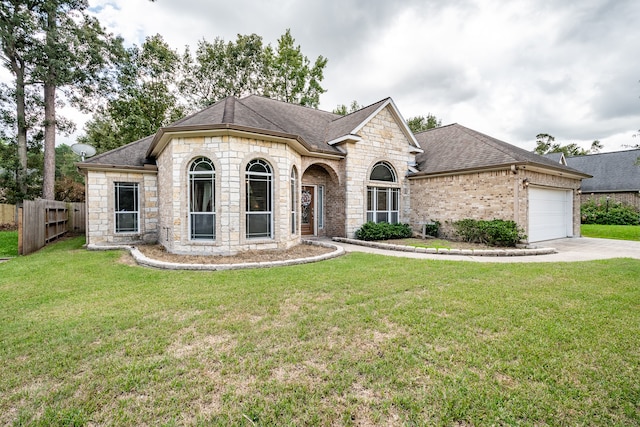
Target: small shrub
{"x": 497, "y": 232}
{"x": 383, "y": 231}
{"x": 608, "y": 212}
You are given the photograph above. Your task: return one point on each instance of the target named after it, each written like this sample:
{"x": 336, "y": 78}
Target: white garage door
{"x": 550, "y": 214}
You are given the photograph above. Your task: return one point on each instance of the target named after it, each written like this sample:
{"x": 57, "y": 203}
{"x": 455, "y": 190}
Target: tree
{"x": 20, "y": 181}
{"x": 290, "y": 76}
{"x": 73, "y": 56}
{"x": 146, "y": 97}
{"x": 546, "y": 144}
{"x": 421, "y": 123}
{"x": 343, "y": 110}
{"x": 17, "y": 27}
{"x": 246, "y": 66}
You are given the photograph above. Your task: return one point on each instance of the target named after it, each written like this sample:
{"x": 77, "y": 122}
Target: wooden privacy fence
{"x": 7, "y": 214}
{"x": 41, "y": 221}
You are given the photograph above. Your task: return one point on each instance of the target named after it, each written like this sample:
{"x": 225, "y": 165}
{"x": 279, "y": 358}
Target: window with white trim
{"x": 382, "y": 201}
{"x": 259, "y": 198}
{"x": 126, "y": 207}
{"x": 202, "y": 202}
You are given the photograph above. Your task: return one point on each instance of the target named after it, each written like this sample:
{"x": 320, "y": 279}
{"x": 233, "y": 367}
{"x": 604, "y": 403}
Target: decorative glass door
{"x": 307, "y": 213}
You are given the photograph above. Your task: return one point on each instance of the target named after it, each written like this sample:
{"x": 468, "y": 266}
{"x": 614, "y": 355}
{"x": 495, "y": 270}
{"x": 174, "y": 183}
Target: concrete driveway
{"x": 570, "y": 249}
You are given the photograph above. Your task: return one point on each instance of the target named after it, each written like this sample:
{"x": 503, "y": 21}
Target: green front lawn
{"x": 87, "y": 338}
{"x": 8, "y": 243}
{"x": 617, "y": 232}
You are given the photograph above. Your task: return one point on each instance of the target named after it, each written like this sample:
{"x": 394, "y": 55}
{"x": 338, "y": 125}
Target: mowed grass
{"x": 8, "y": 244}
{"x": 617, "y": 232}
{"x": 87, "y": 339}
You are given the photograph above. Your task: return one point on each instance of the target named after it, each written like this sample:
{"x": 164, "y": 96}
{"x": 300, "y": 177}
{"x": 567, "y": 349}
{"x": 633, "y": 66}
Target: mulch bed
{"x": 158, "y": 252}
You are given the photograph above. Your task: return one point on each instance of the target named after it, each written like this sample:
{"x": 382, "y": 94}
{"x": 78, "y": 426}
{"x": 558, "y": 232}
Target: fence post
{"x": 20, "y": 245}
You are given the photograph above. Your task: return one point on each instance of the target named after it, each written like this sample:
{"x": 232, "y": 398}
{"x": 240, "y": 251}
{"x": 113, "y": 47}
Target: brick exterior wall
{"x": 100, "y": 200}
{"x": 487, "y": 195}
{"x": 330, "y": 175}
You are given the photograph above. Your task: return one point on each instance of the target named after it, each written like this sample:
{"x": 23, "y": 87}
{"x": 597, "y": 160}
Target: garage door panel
{"x": 550, "y": 214}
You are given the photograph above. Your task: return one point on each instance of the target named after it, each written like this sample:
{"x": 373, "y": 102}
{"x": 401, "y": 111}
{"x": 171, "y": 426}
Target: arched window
{"x": 382, "y": 201}
{"x": 294, "y": 200}
{"x": 202, "y": 203}
{"x": 382, "y": 172}
{"x": 259, "y": 208}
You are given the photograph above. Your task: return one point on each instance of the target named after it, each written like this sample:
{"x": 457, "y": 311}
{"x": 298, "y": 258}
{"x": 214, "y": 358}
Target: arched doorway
{"x": 322, "y": 210}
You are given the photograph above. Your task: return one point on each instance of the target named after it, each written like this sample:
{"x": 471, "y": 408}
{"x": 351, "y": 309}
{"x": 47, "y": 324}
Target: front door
{"x": 307, "y": 200}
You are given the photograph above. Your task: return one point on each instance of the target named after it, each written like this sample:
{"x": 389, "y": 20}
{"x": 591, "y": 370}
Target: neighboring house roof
{"x": 455, "y": 148}
{"x": 314, "y": 130}
{"x": 557, "y": 157}
{"x": 612, "y": 172}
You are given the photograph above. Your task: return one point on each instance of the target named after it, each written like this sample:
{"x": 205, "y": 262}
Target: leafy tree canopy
{"x": 146, "y": 98}
{"x": 343, "y": 110}
{"x": 545, "y": 144}
{"x": 219, "y": 69}
{"x": 421, "y": 123}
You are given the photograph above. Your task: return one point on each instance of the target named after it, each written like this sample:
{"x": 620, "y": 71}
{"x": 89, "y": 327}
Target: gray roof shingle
{"x": 615, "y": 171}
{"x": 132, "y": 155}
{"x": 457, "y": 148}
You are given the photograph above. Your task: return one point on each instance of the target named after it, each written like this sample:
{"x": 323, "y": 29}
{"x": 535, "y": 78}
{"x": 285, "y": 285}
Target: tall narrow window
{"x": 383, "y": 201}
{"x": 127, "y": 211}
{"x": 259, "y": 208}
{"x": 320, "y": 203}
{"x": 294, "y": 201}
{"x": 202, "y": 204}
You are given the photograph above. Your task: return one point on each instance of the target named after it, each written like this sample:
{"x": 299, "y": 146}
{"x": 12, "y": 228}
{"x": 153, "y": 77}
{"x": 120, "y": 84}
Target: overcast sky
{"x": 510, "y": 69}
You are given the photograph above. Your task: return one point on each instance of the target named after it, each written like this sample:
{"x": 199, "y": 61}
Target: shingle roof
{"x": 133, "y": 154}
{"x": 457, "y": 148}
{"x": 315, "y": 127}
{"x": 615, "y": 171}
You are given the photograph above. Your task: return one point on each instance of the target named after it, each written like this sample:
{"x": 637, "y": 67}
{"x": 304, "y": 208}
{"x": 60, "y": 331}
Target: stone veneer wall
{"x": 230, "y": 156}
{"x": 382, "y": 140}
{"x": 487, "y": 195}
{"x": 627, "y": 198}
{"x": 101, "y": 204}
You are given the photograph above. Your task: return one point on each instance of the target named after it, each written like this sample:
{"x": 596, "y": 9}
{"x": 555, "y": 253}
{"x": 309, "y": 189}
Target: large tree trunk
{"x": 18, "y": 70}
{"x": 49, "y": 171}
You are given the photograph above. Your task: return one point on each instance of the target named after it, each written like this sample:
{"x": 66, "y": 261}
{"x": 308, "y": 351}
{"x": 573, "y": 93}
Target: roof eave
{"x": 507, "y": 166}
{"x": 148, "y": 168}
{"x": 164, "y": 135}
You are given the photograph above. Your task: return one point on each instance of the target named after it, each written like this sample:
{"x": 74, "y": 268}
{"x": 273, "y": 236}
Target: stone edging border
{"x": 145, "y": 261}
{"x": 441, "y": 251}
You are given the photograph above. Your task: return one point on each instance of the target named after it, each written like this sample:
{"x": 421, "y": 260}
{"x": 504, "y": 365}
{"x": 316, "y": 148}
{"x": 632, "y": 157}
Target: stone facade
{"x": 230, "y": 156}
{"x": 382, "y": 140}
{"x": 100, "y": 200}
